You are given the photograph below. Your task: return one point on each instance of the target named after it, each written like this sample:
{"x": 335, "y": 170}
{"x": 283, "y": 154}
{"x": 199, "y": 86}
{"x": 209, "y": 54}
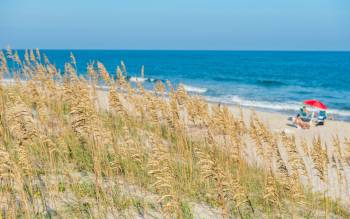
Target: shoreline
{"x": 277, "y": 122}
{"x": 287, "y": 112}
{"x": 337, "y": 114}
{"x": 75, "y": 134}
{"x": 268, "y": 111}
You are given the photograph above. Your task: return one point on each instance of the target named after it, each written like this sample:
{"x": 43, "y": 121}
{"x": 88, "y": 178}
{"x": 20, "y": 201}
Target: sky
{"x": 177, "y": 24}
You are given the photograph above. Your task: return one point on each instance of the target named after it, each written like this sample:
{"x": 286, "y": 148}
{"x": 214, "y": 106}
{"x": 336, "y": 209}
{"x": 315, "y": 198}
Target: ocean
{"x": 266, "y": 80}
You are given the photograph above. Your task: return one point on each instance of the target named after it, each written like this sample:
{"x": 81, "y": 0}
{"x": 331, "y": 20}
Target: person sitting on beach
{"x": 305, "y": 114}
{"x": 300, "y": 123}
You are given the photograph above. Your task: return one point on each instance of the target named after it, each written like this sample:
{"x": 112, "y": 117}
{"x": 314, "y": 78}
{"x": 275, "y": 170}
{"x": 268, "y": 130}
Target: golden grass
{"x": 161, "y": 152}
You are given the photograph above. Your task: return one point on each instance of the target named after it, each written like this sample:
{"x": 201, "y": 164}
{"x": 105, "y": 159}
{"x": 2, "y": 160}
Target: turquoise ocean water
{"x": 273, "y": 81}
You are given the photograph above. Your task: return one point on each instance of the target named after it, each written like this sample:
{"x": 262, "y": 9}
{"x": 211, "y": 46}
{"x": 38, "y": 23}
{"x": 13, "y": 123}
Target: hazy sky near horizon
{"x": 178, "y": 24}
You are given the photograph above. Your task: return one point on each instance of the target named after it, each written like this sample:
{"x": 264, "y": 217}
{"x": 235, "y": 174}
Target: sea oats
{"x": 152, "y": 109}
{"x": 319, "y": 157}
{"x": 303, "y": 168}
{"x": 160, "y": 168}
{"x": 123, "y": 68}
{"x": 38, "y": 56}
{"x": 26, "y": 57}
{"x": 115, "y": 102}
{"x": 296, "y": 188}
{"x": 181, "y": 94}
{"x": 210, "y": 171}
{"x": 255, "y": 134}
{"x": 46, "y": 60}
{"x": 293, "y": 156}
{"x": 170, "y": 87}
{"x": 121, "y": 78}
{"x": 159, "y": 87}
{"x": 103, "y": 72}
{"x": 336, "y": 147}
{"x": 92, "y": 72}
{"x": 20, "y": 121}
{"x": 242, "y": 127}
{"x": 73, "y": 60}
{"x": 70, "y": 72}
{"x": 32, "y": 56}
{"x": 271, "y": 196}
{"x": 10, "y": 173}
{"x": 282, "y": 171}
{"x": 39, "y": 105}
{"x": 3, "y": 67}
{"x": 132, "y": 147}
{"x": 58, "y": 144}
{"x": 16, "y": 58}
{"x": 84, "y": 119}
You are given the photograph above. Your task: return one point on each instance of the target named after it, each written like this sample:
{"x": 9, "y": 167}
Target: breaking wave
{"x": 274, "y": 106}
{"x": 194, "y": 89}
{"x": 142, "y": 80}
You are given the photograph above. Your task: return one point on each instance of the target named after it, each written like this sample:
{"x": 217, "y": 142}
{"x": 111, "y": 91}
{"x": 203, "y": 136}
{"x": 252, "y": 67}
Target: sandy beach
{"x": 175, "y": 109}
{"x": 279, "y": 122}
{"x": 166, "y": 143}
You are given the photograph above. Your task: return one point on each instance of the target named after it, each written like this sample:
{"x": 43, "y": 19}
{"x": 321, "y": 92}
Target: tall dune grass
{"x": 70, "y": 149}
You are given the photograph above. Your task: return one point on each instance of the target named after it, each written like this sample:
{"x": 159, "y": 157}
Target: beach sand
{"x": 278, "y": 122}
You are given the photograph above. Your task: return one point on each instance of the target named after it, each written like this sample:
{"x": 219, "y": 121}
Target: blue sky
{"x": 177, "y": 24}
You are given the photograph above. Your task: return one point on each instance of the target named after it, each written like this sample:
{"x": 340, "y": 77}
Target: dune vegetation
{"x": 96, "y": 146}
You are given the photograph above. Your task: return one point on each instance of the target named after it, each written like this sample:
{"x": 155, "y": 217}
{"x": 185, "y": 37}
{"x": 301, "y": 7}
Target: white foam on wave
{"x": 278, "y": 106}
{"x": 193, "y": 89}
{"x": 339, "y": 112}
{"x": 138, "y": 79}
{"x": 265, "y": 104}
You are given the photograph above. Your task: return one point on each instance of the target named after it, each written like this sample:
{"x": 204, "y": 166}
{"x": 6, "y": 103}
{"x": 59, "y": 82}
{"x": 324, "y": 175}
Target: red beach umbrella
{"x": 315, "y": 103}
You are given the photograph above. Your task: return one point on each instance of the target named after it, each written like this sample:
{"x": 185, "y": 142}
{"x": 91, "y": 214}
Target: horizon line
{"x": 213, "y": 50}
